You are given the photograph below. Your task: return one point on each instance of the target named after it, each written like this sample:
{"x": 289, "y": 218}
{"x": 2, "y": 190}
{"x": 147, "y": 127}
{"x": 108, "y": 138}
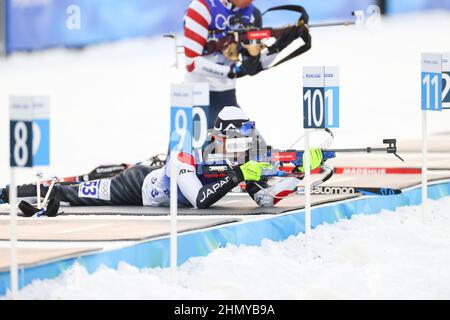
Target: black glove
{"x": 250, "y": 66}
{"x": 286, "y": 39}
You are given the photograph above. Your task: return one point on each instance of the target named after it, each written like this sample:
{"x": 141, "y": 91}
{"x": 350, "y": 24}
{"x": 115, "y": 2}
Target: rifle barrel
{"x": 366, "y": 150}
{"x": 331, "y": 24}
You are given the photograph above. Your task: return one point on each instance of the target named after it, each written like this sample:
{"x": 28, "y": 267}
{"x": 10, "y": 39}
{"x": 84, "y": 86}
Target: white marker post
{"x": 41, "y": 140}
{"x": 29, "y": 145}
{"x": 38, "y": 189}
{"x": 21, "y": 141}
{"x": 320, "y": 110}
{"x": 431, "y": 100}
{"x": 180, "y": 141}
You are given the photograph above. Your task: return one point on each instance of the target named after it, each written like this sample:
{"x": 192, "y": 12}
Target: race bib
{"x": 96, "y": 189}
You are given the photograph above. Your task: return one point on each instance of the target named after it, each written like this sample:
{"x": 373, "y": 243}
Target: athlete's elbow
{"x": 202, "y": 205}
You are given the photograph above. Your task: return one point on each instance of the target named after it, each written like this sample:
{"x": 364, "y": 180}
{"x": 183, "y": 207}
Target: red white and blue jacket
{"x": 203, "y": 16}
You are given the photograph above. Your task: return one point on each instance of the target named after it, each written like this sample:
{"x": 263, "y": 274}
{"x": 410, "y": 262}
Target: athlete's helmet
{"x": 234, "y": 130}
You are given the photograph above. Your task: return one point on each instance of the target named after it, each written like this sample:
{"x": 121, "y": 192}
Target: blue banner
{"x": 38, "y": 24}
{"x": 404, "y": 6}
{"x": 317, "y": 10}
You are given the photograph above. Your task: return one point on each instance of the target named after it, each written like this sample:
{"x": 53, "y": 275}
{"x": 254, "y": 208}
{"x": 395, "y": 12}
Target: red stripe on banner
{"x": 376, "y": 170}
{"x": 284, "y": 156}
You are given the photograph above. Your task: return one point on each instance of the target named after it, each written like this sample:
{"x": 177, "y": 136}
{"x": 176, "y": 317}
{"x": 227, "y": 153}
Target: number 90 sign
{"x": 181, "y": 118}
{"x": 29, "y": 131}
{"x": 320, "y": 97}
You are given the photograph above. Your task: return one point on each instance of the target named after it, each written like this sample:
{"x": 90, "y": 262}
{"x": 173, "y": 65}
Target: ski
{"x": 340, "y": 190}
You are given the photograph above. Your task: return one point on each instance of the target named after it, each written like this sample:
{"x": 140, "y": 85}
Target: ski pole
{"x": 38, "y": 189}
{"x": 48, "y": 192}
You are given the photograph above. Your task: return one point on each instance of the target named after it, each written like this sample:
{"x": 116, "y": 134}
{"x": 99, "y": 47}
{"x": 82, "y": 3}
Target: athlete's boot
{"x": 268, "y": 197}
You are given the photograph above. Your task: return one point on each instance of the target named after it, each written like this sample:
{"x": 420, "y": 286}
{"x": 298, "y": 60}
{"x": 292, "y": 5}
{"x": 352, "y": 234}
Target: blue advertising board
{"x": 404, "y": 6}
{"x": 39, "y": 24}
{"x": 317, "y": 10}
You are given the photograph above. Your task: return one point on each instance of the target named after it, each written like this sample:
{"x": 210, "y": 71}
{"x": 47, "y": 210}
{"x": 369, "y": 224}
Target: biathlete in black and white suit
{"x": 150, "y": 186}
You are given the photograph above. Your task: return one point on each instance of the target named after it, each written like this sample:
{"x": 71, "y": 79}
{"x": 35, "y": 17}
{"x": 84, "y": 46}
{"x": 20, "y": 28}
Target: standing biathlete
{"x": 209, "y": 20}
{"x": 144, "y": 185}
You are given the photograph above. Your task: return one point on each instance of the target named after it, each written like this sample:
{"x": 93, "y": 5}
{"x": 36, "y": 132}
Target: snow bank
{"x": 391, "y": 255}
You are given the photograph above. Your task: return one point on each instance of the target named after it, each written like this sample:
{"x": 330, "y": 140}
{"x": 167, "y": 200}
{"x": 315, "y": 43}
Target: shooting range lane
{"x": 105, "y": 230}
{"x": 61, "y": 236}
{"x": 34, "y": 256}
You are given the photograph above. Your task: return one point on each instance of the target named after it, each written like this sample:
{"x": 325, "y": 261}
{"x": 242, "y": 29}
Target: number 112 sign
{"x": 320, "y": 97}
{"x": 435, "y": 81}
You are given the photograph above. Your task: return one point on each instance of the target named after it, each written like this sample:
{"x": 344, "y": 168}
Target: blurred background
{"x": 107, "y": 70}
{"x": 28, "y": 25}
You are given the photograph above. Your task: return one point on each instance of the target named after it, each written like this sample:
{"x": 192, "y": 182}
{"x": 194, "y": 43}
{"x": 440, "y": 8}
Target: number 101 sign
{"x": 320, "y": 97}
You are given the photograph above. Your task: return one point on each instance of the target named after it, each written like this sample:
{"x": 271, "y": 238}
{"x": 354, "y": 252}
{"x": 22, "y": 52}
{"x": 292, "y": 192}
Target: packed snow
{"x": 110, "y": 102}
{"x": 390, "y": 255}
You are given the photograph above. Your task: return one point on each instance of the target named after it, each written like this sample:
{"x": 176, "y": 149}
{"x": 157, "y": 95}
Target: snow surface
{"x": 110, "y": 102}
{"x": 390, "y": 255}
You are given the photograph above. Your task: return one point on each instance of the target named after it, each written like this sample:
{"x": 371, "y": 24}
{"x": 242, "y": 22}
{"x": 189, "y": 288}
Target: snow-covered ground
{"x": 110, "y": 103}
{"x": 391, "y": 255}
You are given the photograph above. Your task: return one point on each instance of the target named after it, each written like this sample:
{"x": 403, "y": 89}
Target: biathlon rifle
{"x": 287, "y": 163}
{"x": 251, "y": 38}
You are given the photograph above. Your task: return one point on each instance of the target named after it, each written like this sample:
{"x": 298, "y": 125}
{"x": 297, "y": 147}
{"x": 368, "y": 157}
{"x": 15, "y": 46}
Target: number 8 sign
{"x": 20, "y": 132}
{"x": 29, "y": 131}
{"x": 320, "y": 97}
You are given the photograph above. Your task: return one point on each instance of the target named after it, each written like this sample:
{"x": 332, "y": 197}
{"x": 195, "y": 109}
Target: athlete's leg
{"x": 123, "y": 189}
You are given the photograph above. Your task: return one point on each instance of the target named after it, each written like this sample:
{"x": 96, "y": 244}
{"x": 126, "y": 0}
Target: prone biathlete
{"x": 144, "y": 185}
